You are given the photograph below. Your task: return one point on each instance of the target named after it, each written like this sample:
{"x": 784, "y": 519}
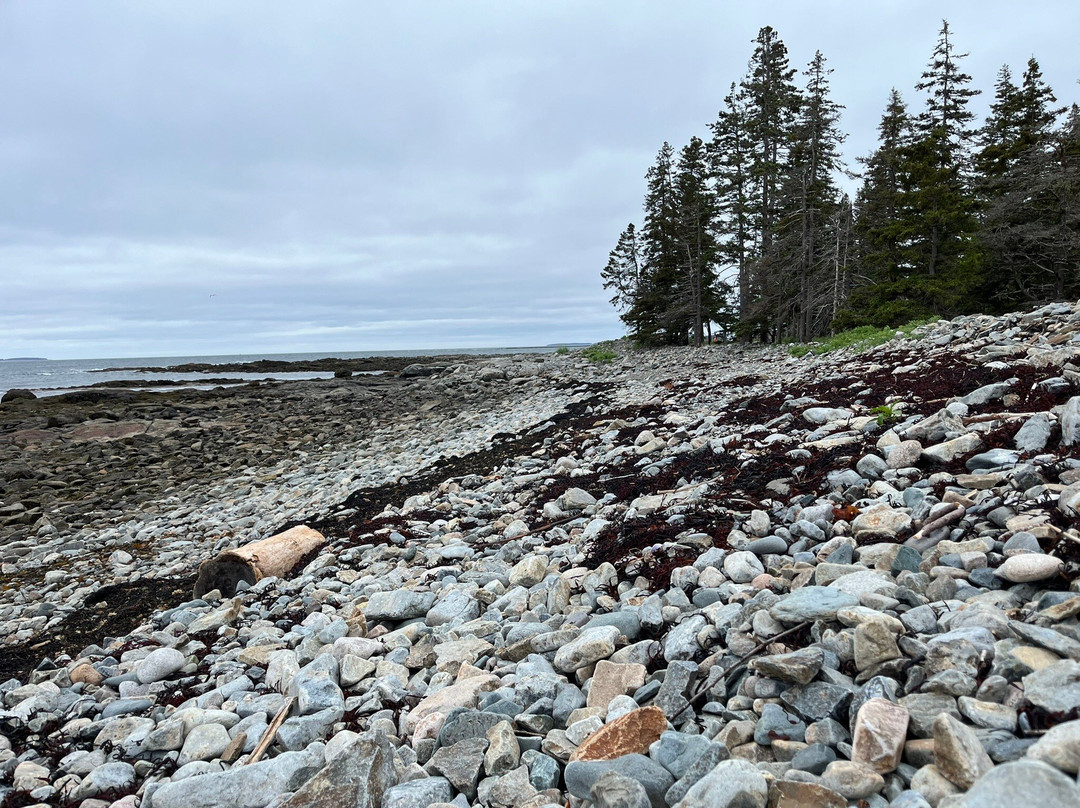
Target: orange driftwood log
{"x": 276, "y": 555}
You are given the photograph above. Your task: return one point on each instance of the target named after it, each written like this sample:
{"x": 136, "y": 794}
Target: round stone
{"x": 159, "y": 664}
{"x": 1029, "y": 567}
{"x": 742, "y": 567}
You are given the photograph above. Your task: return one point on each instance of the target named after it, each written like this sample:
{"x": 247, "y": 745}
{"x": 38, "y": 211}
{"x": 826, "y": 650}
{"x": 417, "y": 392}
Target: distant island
{"x": 25, "y": 359}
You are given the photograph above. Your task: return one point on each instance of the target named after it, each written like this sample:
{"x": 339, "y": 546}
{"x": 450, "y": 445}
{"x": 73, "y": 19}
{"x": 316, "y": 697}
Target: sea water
{"x": 55, "y": 376}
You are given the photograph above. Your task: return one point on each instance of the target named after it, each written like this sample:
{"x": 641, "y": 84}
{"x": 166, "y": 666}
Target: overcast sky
{"x": 241, "y": 177}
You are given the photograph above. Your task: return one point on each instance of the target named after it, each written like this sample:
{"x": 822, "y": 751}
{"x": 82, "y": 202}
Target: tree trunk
{"x": 275, "y": 556}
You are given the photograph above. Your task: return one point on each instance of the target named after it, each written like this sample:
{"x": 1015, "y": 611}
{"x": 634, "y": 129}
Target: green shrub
{"x": 600, "y": 352}
{"x": 562, "y": 351}
{"x": 858, "y": 339}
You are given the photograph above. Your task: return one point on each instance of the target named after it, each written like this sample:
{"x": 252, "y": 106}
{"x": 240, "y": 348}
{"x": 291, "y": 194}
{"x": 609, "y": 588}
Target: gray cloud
{"x": 344, "y": 176}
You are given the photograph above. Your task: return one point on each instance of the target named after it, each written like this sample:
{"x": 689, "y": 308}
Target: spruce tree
{"x": 938, "y": 216}
{"x": 882, "y": 263}
{"x": 700, "y": 299}
{"x": 811, "y": 195}
{"x": 772, "y": 103}
{"x": 659, "y": 250}
{"x": 729, "y": 157}
{"x": 623, "y": 271}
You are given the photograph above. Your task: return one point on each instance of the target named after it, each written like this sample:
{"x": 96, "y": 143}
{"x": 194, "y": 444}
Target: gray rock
{"x": 986, "y": 394}
{"x": 591, "y": 646}
{"x": 1034, "y": 434}
{"x": 399, "y": 604}
{"x": 812, "y": 603}
{"x": 414, "y": 793}
{"x": 681, "y": 642}
{"x": 776, "y": 724}
{"x": 1023, "y": 782}
{"x": 1070, "y": 422}
{"x": 614, "y": 790}
{"x": 161, "y": 663}
{"x": 823, "y": 415}
{"x": 204, "y": 742}
{"x": 253, "y": 786}
{"x": 1060, "y": 747}
{"x": 671, "y": 696}
{"x": 115, "y": 776}
{"x": 767, "y": 545}
{"x": 357, "y": 778}
{"x": 463, "y": 723}
{"x": 461, "y": 764}
{"x": 678, "y": 751}
{"x": 797, "y": 667}
{"x": 1056, "y": 687}
{"x": 814, "y": 758}
{"x": 731, "y": 784}
{"x": 582, "y": 775}
{"x": 704, "y": 764}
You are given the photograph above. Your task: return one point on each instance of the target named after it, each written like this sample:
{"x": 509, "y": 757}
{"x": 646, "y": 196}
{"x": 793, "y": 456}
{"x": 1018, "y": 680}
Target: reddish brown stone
{"x": 789, "y": 794}
{"x": 630, "y": 734}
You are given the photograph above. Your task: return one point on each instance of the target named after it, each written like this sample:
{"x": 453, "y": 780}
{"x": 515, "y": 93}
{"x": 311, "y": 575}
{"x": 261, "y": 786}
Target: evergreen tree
{"x": 659, "y": 251}
{"x": 812, "y": 197}
{"x": 772, "y": 103}
{"x": 696, "y": 214}
{"x": 938, "y": 222}
{"x": 623, "y": 271}
{"x": 881, "y": 261}
{"x": 729, "y": 157}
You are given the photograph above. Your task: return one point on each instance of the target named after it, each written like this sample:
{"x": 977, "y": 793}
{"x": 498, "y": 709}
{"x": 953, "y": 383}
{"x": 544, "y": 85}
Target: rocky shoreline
{"x": 713, "y": 577}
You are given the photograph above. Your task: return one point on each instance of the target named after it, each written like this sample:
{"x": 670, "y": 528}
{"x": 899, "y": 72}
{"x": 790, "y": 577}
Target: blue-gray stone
{"x": 707, "y": 597}
{"x": 995, "y": 458}
{"x": 463, "y": 723}
{"x": 544, "y": 771}
{"x": 581, "y": 776}
{"x": 425, "y": 791}
{"x": 818, "y": 700}
{"x": 715, "y": 753}
{"x": 812, "y": 603}
{"x": 567, "y": 699}
{"x": 125, "y": 707}
{"x": 777, "y": 724}
{"x": 1022, "y": 782}
{"x": 767, "y": 545}
{"x": 907, "y": 558}
{"x": 841, "y": 555}
{"x": 677, "y": 751}
{"x": 625, "y": 620}
{"x": 814, "y": 758}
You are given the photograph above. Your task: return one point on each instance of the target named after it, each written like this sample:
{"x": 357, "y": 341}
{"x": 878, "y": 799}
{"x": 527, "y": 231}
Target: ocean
{"x": 47, "y": 377}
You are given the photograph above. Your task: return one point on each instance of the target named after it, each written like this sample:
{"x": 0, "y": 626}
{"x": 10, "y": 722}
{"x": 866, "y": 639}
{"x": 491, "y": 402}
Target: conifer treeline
{"x": 750, "y": 233}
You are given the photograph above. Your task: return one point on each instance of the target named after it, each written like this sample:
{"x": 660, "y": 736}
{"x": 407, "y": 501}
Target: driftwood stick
{"x": 271, "y": 731}
{"x": 740, "y": 663}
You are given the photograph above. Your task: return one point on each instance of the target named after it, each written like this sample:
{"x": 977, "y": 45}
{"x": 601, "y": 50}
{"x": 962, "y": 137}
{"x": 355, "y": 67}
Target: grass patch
{"x": 601, "y": 352}
{"x": 562, "y": 351}
{"x": 858, "y": 339}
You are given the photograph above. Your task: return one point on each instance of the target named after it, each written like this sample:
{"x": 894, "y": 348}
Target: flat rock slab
{"x": 632, "y": 733}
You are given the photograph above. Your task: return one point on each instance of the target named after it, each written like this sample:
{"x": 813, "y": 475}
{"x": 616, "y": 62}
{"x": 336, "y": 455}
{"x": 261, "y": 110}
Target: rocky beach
{"x": 722, "y": 577}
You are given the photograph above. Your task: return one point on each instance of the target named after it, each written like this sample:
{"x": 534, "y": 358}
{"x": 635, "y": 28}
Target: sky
{"x": 184, "y": 178}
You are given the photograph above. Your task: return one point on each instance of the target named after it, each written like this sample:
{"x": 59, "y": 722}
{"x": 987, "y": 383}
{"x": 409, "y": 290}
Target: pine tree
{"x": 659, "y": 249}
{"x": 772, "y": 103}
{"x": 882, "y": 264}
{"x": 812, "y": 197}
{"x": 939, "y": 206}
{"x": 623, "y": 271}
{"x": 729, "y": 157}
